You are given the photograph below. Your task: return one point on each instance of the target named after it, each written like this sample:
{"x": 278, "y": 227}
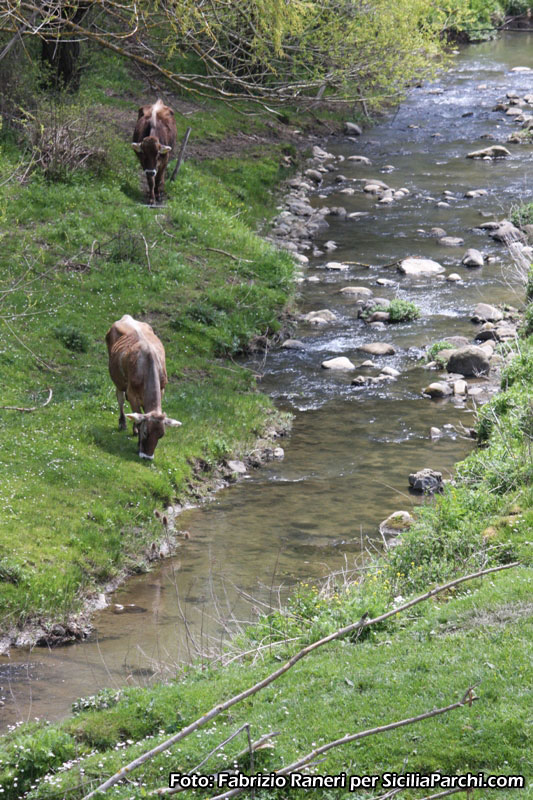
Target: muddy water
{"x": 351, "y": 448}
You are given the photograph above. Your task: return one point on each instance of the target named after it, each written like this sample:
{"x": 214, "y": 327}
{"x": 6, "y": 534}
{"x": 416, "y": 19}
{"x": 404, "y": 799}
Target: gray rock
{"x": 336, "y": 266}
{"x": 437, "y": 389}
{"x": 340, "y": 363}
{"x": 437, "y": 232}
{"x": 507, "y": 232}
{"x": 495, "y": 151}
{"x": 505, "y": 333}
{"x": 300, "y": 208}
{"x": 379, "y": 316}
{"x": 390, "y": 372}
{"x": 435, "y": 433}
{"x": 314, "y": 174}
{"x": 460, "y": 388}
{"x": 457, "y": 341}
{"x": 426, "y": 480}
{"x": 469, "y": 361}
{"x": 476, "y": 193}
{"x": 490, "y": 226}
{"x": 483, "y": 312}
{"x": 360, "y": 160}
{"x": 487, "y": 332}
{"x": 357, "y": 292}
{"x": 385, "y": 282}
{"x": 420, "y": 266}
{"x": 352, "y": 129}
{"x": 321, "y": 317}
{"x": 318, "y": 152}
{"x": 293, "y": 344}
{"x": 472, "y": 258}
{"x": 453, "y": 277}
{"x": 278, "y": 453}
{"x": 329, "y": 246}
{"x": 396, "y": 523}
{"x": 237, "y": 466}
{"x": 378, "y": 349}
{"x": 451, "y": 241}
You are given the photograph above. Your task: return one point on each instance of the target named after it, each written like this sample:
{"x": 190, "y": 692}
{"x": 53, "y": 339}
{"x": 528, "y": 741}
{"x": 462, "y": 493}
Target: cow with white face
{"x": 137, "y": 368}
{"x": 153, "y": 139}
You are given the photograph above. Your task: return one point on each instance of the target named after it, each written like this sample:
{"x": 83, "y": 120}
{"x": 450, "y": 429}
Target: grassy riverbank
{"x": 479, "y": 635}
{"x": 79, "y": 252}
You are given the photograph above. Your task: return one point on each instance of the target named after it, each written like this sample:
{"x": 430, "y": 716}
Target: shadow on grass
{"x": 121, "y": 444}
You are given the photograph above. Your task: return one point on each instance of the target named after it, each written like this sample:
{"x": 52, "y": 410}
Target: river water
{"x": 351, "y": 448}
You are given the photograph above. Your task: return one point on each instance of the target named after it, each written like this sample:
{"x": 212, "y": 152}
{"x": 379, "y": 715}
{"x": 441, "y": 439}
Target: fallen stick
{"x": 364, "y": 622}
{"x": 34, "y": 408}
{"x": 230, "y": 255}
{"x": 468, "y": 699}
{"x": 181, "y": 154}
{"x": 259, "y": 744}
{"x": 360, "y": 264}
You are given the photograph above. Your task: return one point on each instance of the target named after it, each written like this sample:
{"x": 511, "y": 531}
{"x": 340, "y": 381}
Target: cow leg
{"x": 159, "y": 185}
{"x": 136, "y": 406}
{"x": 151, "y": 193}
{"x": 121, "y": 396}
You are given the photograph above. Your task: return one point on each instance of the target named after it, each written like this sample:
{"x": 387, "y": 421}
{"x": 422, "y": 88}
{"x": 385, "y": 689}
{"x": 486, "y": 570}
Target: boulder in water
{"x": 420, "y": 266}
{"x": 495, "y": 151}
{"x": 469, "y": 361}
{"x": 426, "y": 480}
{"x": 339, "y": 363}
{"x": 472, "y": 258}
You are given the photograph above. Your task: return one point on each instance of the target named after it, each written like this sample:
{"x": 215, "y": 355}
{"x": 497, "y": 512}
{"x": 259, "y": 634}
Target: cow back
{"x": 158, "y": 121}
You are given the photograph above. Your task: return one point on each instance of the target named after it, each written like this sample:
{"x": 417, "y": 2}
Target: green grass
{"x": 76, "y": 499}
{"x": 480, "y": 634}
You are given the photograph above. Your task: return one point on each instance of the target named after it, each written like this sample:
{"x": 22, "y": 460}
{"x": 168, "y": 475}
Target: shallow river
{"x": 351, "y": 449}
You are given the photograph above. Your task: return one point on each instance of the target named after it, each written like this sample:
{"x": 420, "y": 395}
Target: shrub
{"x": 398, "y": 311}
{"x": 63, "y": 139}
{"x": 403, "y": 311}
{"x": 432, "y": 353}
{"x": 529, "y": 285}
{"x": 72, "y": 338}
{"x": 528, "y": 320}
{"x": 523, "y": 215}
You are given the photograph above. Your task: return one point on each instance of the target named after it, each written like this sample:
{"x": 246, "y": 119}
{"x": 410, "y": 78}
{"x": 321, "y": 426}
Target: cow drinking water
{"x": 153, "y": 139}
{"x": 137, "y": 368}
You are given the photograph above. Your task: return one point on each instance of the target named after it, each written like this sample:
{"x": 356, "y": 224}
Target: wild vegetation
{"x": 478, "y": 634}
{"x": 81, "y": 248}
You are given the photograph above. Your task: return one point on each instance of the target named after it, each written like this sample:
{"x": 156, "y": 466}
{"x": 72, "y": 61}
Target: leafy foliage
{"x": 403, "y": 310}
{"x": 523, "y": 215}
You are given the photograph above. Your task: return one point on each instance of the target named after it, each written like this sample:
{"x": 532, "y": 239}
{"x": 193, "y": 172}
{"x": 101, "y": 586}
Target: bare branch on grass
{"x": 218, "y": 709}
{"x": 34, "y": 408}
{"x": 468, "y": 699}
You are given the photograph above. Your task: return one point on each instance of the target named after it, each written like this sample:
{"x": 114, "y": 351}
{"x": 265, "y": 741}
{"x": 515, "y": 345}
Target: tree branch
{"x": 364, "y": 622}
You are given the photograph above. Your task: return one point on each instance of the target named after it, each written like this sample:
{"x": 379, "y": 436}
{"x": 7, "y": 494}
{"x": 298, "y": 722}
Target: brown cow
{"x": 137, "y": 368}
{"x": 153, "y": 139}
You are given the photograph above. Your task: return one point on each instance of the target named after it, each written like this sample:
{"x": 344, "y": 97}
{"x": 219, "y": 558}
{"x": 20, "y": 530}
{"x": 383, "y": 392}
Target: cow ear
{"x": 171, "y": 423}
{"x": 164, "y": 148}
{"x": 135, "y": 417}
{"x": 136, "y": 146}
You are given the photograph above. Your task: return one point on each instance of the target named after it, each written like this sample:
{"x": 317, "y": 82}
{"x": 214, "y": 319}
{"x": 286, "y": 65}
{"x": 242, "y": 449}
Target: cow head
{"x": 150, "y": 150}
{"x": 151, "y": 427}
